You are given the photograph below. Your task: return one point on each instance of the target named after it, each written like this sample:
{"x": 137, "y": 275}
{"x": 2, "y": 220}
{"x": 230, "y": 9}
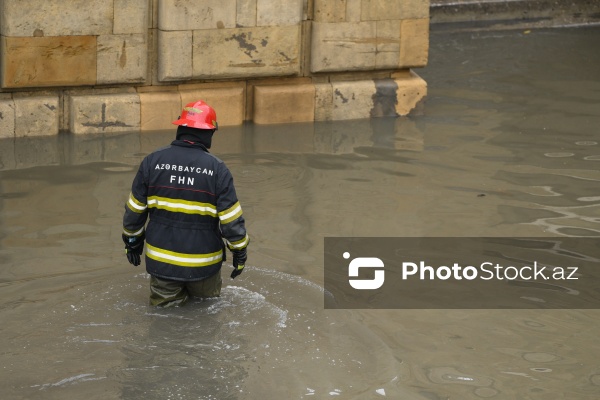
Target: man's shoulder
{"x": 215, "y": 158}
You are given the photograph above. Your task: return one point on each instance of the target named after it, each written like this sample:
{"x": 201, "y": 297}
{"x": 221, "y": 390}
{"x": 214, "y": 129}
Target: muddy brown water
{"x": 506, "y": 144}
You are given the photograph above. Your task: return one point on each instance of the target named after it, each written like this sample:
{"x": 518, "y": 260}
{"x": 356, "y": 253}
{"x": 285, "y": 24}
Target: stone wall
{"x": 120, "y": 65}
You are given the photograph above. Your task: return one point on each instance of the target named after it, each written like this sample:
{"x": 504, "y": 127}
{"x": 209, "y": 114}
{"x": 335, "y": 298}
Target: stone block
{"x": 378, "y": 10}
{"x": 158, "y": 110}
{"x": 346, "y": 46}
{"x": 410, "y": 91}
{"x": 7, "y": 118}
{"x": 175, "y": 55}
{"x": 323, "y": 102}
{"x": 56, "y": 17}
{"x": 385, "y": 99}
{"x": 228, "y": 100}
{"x": 122, "y": 59}
{"x": 246, "y": 13}
{"x": 36, "y": 115}
{"x": 279, "y": 12}
{"x": 414, "y": 43}
{"x": 388, "y": 44}
{"x": 48, "y": 61}
{"x": 279, "y": 104}
{"x": 353, "y": 10}
{"x": 247, "y": 52}
{"x": 182, "y": 15}
{"x": 104, "y": 113}
{"x": 330, "y": 10}
{"x": 131, "y": 16}
{"x": 352, "y": 100}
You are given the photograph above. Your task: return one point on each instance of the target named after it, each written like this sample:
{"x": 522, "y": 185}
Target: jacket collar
{"x": 188, "y": 143}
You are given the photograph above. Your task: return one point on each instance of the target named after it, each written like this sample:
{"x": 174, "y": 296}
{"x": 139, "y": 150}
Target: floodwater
{"x": 506, "y": 144}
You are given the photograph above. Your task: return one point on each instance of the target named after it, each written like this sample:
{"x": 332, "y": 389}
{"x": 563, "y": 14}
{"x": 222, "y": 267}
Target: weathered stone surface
{"x": 48, "y": 61}
{"x": 174, "y": 55}
{"x": 246, "y": 52}
{"x": 411, "y": 90}
{"x": 414, "y": 43}
{"x": 352, "y": 100}
{"x": 7, "y": 118}
{"x": 330, "y": 10}
{"x": 353, "y": 10}
{"x": 104, "y": 113}
{"x": 377, "y": 10}
{"x": 388, "y": 44}
{"x": 228, "y": 100}
{"x": 131, "y": 16}
{"x": 181, "y": 15}
{"x": 246, "y": 13}
{"x": 323, "y": 101}
{"x": 159, "y": 110}
{"x": 279, "y": 12}
{"x": 122, "y": 59}
{"x": 278, "y": 104}
{"x": 346, "y": 46}
{"x": 56, "y": 17}
{"x": 36, "y": 116}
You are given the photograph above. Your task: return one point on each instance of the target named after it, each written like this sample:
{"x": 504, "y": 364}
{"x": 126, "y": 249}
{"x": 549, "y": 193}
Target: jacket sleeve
{"x": 136, "y": 208}
{"x": 229, "y": 210}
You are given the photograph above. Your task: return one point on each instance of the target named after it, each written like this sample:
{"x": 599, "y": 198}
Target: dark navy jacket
{"x": 189, "y": 198}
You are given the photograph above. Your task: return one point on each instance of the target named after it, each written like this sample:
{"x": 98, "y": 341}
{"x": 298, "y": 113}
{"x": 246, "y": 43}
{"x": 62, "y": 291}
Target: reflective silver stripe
{"x": 182, "y": 259}
{"x": 189, "y": 207}
{"x": 228, "y": 216}
{"x": 136, "y": 233}
{"x": 240, "y": 244}
{"x": 135, "y": 205}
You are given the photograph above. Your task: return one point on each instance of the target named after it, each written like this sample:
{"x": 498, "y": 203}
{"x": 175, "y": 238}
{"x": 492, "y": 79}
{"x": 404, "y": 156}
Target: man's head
{"x": 197, "y": 123}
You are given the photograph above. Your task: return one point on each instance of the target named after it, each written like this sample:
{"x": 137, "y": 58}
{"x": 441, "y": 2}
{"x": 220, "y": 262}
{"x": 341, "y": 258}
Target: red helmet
{"x": 198, "y": 115}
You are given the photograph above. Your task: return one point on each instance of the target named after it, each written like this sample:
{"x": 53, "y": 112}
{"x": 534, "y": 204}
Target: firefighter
{"x": 188, "y": 197}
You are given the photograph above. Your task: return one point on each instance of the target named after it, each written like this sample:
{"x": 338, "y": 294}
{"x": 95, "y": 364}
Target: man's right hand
{"x": 134, "y": 246}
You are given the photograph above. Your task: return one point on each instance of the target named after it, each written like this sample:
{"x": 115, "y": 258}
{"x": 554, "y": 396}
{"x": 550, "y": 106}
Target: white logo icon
{"x": 365, "y": 262}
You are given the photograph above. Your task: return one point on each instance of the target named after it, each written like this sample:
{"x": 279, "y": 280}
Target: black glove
{"x": 134, "y": 245}
{"x": 239, "y": 259}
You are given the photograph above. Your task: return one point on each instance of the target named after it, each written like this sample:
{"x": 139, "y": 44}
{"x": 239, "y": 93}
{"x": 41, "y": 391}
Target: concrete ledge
{"x": 104, "y": 113}
{"x": 411, "y": 89}
{"x": 279, "y": 104}
{"x": 7, "y": 118}
{"x": 158, "y": 110}
{"x": 228, "y": 100}
{"x": 364, "y": 99}
{"x": 36, "y": 115}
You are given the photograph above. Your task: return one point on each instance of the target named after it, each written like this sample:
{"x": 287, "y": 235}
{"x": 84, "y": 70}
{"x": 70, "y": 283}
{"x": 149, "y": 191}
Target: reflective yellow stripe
{"x": 182, "y": 259}
{"x": 135, "y": 205}
{"x": 182, "y": 206}
{"x": 239, "y": 244}
{"x": 133, "y": 233}
{"x": 232, "y": 213}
